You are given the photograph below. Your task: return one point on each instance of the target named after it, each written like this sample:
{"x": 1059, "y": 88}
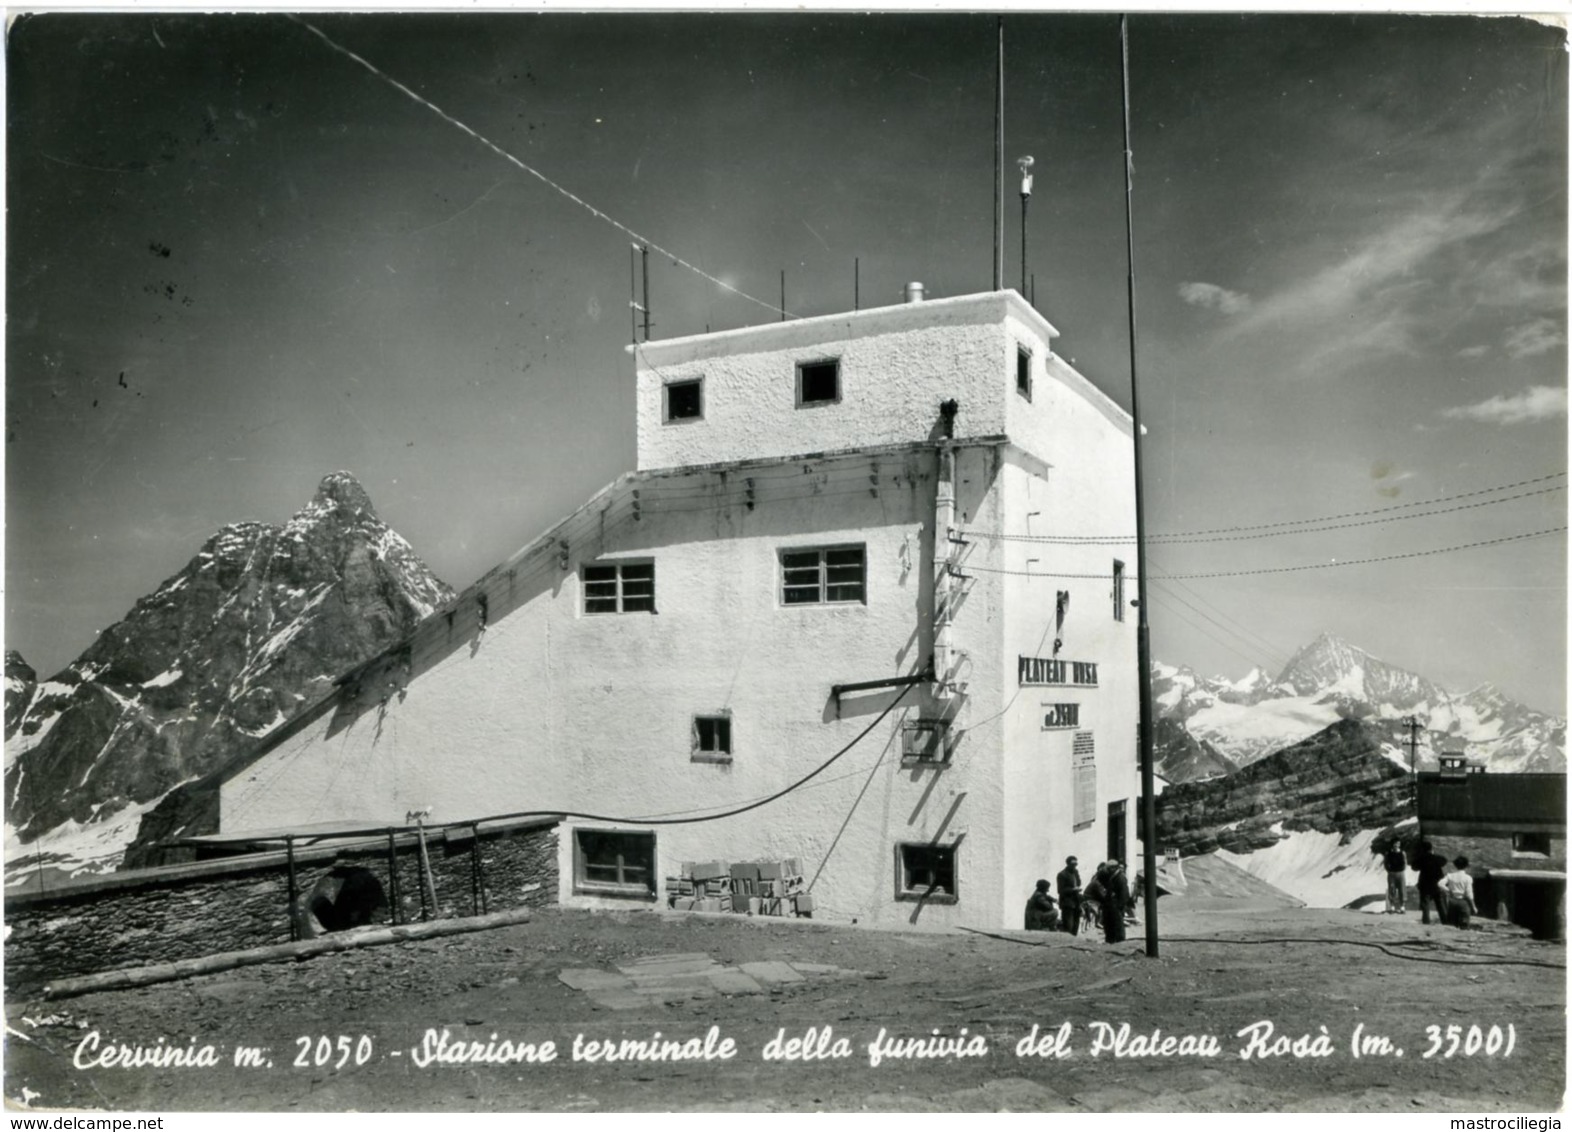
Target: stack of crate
{"x": 757, "y": 888}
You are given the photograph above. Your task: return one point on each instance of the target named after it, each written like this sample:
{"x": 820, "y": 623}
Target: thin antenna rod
{"x": 998, "y": 166}
{"x": 1143, "y": 629}
{"x": 644, "y": 253}
{"x": 857, "y": 284}
{"x": 783, "y": 294}
{"x": 633, "y": 294}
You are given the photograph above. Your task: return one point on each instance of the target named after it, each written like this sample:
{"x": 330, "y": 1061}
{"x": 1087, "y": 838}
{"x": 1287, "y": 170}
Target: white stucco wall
{"x": 554, "y": 709}
{"x": 897, "y": 364}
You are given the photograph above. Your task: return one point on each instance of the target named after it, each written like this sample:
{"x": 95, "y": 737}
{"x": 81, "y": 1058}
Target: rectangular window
{"x": 1023, "y": 372}
{"x": 818, "y": 383}
{"x": 1531, "y": 844}
{"x": 685, "y": 400}
{"x": 926, "y": 872}
{"x": 1118, "y": 590}
{"x": 824, "y": 575}
{"x": 712, "y": 738}
{"x": 1083, "y": 769}
{"x": 613, "y": 863}
{"x": 619, "y": 587}
{"x": 925, "y": 740}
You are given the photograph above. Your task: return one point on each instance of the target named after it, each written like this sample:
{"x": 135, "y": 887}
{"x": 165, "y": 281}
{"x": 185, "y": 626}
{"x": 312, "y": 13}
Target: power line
{"x": 1217, "y": 534}
{"x": 1287, "y": 569}
{"x": 533, "y": 172}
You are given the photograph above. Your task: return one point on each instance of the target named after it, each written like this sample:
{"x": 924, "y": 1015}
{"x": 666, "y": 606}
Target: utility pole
{"x": 1413, "y": 762}
{"x": 1143, "y": 628}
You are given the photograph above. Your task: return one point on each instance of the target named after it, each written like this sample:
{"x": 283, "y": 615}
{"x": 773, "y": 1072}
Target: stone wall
{"x": 135, "y": 918}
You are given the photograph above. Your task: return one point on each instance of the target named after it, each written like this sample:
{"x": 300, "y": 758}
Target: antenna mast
{"x": 1143, "y": 629}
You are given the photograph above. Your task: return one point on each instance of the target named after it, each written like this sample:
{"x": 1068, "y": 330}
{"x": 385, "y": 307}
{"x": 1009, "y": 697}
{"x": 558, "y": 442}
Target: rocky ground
{"x": 594, "y": 976}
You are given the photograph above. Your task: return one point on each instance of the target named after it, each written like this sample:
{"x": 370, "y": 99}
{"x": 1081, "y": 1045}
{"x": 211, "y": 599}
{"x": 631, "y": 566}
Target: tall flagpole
{"x": 1143, "y": 629}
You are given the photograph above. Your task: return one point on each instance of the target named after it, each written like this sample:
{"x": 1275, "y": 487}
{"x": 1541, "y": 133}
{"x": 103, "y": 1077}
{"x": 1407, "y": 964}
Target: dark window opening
{"x": 619, "y": 587}
{"x": 818, "y": 383}
{"x": 824, "y": 575}
{"x": 1533, "y": 844}
{"x": 927, "y": 872}
{"x": 712, "y": 735}
{"x": 1118, "y": 590}
{"x": 925, "y": 740}
{"x": 684, "y": 400}
{"x": 1023, "y": 372}
{"x": 613, "y": 863}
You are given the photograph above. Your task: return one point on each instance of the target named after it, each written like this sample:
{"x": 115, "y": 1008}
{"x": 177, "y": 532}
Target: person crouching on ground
{"x": 1458, "y": 889}
{"x": 1396, "y": 877}
{"x": 1430, "y": 865}
{"x": 1041, "y": 914}
{"x": 1069, "y": 880}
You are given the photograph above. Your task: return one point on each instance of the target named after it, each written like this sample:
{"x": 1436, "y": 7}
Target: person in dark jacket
{"x": 1431, "y": 866}
{"x": 1069, "y": 881}
{"x": 1396, "y": 877}
{"x": 1041, "y": 914}
{"x": 1118, "y": 889}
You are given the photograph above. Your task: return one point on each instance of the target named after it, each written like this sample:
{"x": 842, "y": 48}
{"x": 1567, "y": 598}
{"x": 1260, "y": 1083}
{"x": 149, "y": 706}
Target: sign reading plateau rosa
{"x": 1045, "y": 670}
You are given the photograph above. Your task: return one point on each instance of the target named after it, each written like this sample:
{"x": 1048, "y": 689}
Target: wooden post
{"x": 428, "y": 886}
{"x": 477, "y": 881}
{"x": 294, "y": 888}
{"x": 393, "y": 893}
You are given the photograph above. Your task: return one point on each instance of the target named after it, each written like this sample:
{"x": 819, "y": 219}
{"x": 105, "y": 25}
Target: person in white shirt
{"x": 1458, "y": 888}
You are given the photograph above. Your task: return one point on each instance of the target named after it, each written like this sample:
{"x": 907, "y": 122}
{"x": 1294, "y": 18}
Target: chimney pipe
{"x": 914, "y": 292}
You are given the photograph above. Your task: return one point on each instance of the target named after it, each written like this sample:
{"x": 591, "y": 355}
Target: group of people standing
{"x": 1106, "y": 900}
{"x": 1451, "y": 894}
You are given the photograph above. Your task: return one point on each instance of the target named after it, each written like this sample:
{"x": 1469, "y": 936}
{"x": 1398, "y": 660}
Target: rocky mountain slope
{"x": 253, "y": 628}
{"x": 1343, "y": 780}
{"x": 1330, "y": 680}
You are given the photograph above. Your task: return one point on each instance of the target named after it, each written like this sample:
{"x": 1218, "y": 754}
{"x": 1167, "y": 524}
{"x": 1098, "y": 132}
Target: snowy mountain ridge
{"x": 1330, "y": 679}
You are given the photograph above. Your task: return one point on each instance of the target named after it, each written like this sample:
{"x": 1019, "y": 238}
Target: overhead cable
{"x": 533, "y": 172}
{"x": 1290, "y": 526}
{"x": 972, "y": 566}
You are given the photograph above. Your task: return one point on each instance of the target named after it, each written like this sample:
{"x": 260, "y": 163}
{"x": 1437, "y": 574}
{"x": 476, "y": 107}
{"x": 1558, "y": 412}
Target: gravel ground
{"x": 1223, "y": 969}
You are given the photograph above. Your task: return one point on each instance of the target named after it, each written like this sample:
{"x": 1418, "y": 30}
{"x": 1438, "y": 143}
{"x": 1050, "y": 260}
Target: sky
{"x": 237, "y": 260}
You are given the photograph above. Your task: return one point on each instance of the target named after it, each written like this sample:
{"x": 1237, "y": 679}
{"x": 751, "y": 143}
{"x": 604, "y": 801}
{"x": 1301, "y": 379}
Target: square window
{"x": 819, "y": 383}
{"x": 925, "y": 740}
{"x": 619, "y": 587}
{"x": 685, "y": 400}
{"x": 824, "y": 575}
{"x": 1118, "y": 590}
{"x": 1023, "y": 372}
{"x": 614, "y": 863}
{"x": 712, "y": 738}
{"x": 926, "y": 872}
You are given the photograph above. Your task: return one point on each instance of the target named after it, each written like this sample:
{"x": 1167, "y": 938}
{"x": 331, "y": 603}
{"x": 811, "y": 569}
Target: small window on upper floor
{"x": 1023, "y": 372}
{"x": 712, "y": 738}
{"x": 619, "y": 587}
{"x": 685, "y": 400}
{"x": 818, "y": 383}
{"x": 1118, "y": 590}
{"x": 1531, "y": 845}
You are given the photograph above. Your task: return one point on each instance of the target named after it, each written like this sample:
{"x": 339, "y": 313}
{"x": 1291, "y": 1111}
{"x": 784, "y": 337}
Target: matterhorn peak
{"x": 341, "y": 490}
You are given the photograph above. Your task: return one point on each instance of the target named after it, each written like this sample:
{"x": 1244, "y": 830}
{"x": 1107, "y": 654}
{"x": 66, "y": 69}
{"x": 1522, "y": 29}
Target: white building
{"x": 804, "y": 516}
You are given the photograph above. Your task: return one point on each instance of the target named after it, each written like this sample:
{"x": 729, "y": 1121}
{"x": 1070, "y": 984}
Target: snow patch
{"x": 164, "y": 678}
{"x": 1317, "y": 869}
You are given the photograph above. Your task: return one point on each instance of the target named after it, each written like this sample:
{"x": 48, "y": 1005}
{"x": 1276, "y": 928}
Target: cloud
{"x": 1533, "y": 338}
{"x": 1473, "y": 351}
{"x": 1537, "y": 403}
{"x": 1215, "y": 297}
